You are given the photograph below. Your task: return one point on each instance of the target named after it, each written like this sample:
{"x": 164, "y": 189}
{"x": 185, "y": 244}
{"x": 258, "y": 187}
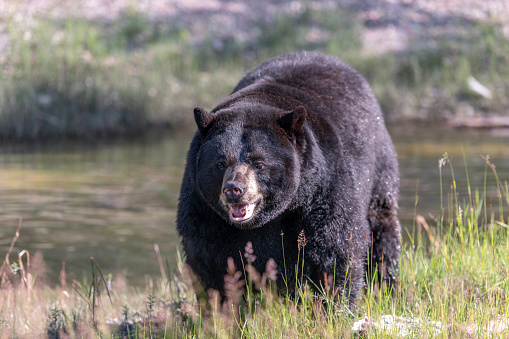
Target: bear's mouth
{"x": 241, "y": 212}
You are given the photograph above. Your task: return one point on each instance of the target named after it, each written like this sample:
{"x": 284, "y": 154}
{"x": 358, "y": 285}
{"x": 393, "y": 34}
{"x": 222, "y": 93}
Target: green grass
{"x": 83, "y": 79}
{"x": 86, "y": 79}
{"x": 432, "y": 83}
{"x": 453, "y": 275}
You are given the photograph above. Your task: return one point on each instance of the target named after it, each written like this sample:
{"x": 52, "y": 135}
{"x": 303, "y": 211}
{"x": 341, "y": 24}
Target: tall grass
{"x": 76, "y": 78}
{"x": 79, "y": 78}
{"x": 453, "y": 275}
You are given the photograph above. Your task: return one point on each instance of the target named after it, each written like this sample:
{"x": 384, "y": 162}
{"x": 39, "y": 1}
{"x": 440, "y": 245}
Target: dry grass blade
{"x": 16, "y": 236}
{"x": 95, "y": 266}
{"x": 161, "y": 265}
{"x": 26, "y": 277}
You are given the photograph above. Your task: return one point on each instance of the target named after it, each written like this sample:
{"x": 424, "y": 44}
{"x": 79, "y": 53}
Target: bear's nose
{"x": 233, "y": 190}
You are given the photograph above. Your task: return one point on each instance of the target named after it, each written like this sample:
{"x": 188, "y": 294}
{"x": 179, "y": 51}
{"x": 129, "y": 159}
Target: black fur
{"x": 329, "y": 169}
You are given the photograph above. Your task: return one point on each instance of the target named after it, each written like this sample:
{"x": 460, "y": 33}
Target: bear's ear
{"x": 293, "y": 121}
{"x": 203, "y": 119}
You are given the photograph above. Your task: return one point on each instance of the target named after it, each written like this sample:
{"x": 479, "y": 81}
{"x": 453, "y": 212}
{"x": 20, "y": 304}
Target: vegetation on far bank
{"x": 453, "y": 277}
{"x": 77, "y": 78}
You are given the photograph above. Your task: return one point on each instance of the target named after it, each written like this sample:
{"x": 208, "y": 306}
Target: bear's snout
{"x": 239, "y": 193}
{"x": 239, "y": 184}
{"x": 233, "y": 190}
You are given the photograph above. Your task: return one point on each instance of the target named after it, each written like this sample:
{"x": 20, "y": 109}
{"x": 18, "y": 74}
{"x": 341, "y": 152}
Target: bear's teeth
{"x": 241, "y": 212}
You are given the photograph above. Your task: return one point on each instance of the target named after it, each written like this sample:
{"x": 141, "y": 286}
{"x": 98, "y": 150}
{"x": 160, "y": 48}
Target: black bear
{"x": 299, "y": 147}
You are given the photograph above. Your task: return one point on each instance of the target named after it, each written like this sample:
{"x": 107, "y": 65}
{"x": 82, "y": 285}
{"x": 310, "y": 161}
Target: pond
{"x": 113, "y": 201}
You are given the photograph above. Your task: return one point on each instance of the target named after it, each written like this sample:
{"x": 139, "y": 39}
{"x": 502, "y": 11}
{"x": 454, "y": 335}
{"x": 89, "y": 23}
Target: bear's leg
{"x": 385, "y": 239}
{"x": 355, "y": 277}
{"x": 339, "y": 266}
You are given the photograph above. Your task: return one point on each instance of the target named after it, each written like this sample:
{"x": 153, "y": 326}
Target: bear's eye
{"x": 259, "y": 165}
{"x": 221, "y": 165}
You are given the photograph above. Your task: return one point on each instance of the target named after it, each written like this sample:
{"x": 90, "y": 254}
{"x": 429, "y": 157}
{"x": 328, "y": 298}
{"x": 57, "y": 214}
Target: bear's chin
{"x": 246, "y": 225}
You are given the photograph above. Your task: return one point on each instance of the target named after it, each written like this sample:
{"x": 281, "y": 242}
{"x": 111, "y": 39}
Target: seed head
{"x": 301, "y": 240}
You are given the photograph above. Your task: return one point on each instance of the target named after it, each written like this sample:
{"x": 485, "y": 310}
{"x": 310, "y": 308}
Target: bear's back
{"x": 325, "y": 85}
{"x": 306, "y": 70}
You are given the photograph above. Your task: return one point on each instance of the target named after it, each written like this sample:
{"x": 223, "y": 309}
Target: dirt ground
{"x": 389, "y": 25}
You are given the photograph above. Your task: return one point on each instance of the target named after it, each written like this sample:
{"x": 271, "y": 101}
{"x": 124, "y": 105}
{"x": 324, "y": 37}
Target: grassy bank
{"x": 77, "y": 78}
{"x": 453, "y": 277}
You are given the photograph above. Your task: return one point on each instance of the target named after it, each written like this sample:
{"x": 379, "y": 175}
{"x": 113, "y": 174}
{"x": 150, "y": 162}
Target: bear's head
{"x": 248, "y": 164}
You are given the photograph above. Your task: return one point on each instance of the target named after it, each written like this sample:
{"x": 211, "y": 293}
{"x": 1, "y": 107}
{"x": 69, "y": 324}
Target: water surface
{"x": 114, "y": 201}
